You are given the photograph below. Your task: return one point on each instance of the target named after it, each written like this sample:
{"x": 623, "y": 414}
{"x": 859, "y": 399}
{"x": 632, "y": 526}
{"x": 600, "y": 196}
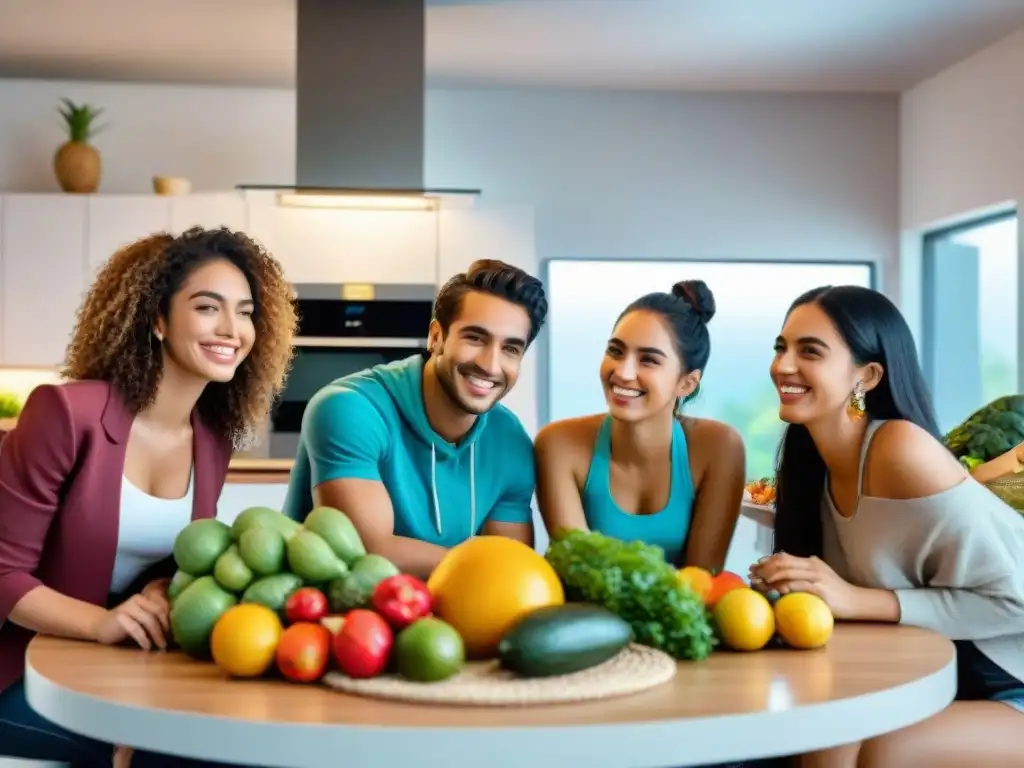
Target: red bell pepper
{"x": 402, "y": 599}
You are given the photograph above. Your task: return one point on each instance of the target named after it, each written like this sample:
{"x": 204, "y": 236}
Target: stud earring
{"x": 159, "y": 336}
{"x": 856, "y": 408}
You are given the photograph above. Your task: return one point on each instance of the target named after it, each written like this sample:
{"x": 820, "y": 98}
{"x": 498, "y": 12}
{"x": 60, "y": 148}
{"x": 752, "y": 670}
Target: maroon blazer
{"x": 61, "y": 470}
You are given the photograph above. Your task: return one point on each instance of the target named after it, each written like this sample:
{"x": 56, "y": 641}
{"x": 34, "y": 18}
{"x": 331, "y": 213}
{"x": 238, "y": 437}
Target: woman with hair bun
{"x": 180, "y": 348}
{"x": 643, "y": 471}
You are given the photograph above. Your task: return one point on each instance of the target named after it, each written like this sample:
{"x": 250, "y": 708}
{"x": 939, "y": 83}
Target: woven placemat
{"x": 1009, "y": 488}
{"x": 634, "y": 669}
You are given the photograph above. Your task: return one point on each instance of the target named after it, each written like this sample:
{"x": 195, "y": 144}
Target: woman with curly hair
{"x": 180, "y": 348}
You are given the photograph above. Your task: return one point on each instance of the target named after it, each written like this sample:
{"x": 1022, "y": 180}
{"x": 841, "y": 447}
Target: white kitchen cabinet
{"x": 44, "y": 275}
{"x": 349, "y": 246}
{"x": 118, "y": 220}
{"x": 208, "y": 210}
{"x": 481, "y": 232}
{"x": 51, "y": 247}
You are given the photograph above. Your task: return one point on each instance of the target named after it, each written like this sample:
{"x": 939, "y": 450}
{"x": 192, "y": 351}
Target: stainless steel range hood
{"x": 360, "y": 108}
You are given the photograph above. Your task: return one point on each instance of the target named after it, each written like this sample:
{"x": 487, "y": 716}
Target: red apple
{"x": 305, "y": 604}
{"x": 363, "y": 646}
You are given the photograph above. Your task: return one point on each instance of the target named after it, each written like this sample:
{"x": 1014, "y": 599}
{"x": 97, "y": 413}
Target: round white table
{"x": 869, "y": 680}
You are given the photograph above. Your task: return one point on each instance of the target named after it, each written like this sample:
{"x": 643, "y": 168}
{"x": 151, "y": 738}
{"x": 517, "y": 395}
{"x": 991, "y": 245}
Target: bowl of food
{"x": 760, "y": 492}
{"x": 171, "y": 185}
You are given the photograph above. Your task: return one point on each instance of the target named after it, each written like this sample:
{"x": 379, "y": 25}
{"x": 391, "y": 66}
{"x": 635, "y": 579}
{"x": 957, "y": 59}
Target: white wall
{"x": 218, "y": 137}
{"x": 960, "y": 138}
{"x": 610, "y": 174}
{"x": 623, "y": 175}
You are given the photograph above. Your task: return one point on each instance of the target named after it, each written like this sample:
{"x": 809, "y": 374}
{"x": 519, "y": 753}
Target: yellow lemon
{"x": 803, "y": 620}
{"x": 744, "y": 619}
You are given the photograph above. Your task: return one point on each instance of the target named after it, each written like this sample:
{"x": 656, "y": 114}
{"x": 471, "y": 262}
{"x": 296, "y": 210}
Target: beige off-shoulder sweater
{"x": 955, "y": 561}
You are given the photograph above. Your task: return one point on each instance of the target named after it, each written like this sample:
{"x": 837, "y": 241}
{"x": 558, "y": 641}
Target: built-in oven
{"x": 344, "y": 329}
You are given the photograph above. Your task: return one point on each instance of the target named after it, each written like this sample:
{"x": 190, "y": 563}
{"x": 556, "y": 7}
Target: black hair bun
{"x": 697, "y": 294}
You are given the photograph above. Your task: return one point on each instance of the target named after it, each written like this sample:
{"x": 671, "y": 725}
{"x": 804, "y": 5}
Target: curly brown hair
{"x": 114, "y": 338}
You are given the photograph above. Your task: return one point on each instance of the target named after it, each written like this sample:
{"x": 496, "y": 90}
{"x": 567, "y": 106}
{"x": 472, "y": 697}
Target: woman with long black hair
{"x": 877, "y": 518}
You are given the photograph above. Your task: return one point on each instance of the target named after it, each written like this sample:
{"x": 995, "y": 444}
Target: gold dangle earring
{"x": 855, "y": 408}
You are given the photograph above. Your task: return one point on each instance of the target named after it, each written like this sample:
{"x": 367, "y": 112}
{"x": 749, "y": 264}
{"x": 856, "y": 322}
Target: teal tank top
{"x": 666, "y": 528}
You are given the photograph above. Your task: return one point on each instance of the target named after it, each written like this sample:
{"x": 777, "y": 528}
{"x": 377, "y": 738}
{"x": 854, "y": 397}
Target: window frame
{"x": 929, "y": 302}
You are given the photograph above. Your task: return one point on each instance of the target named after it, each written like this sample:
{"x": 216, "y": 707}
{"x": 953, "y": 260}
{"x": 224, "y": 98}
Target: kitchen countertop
{"x": 247, "y": 470}
{"x": 762, "y": 514}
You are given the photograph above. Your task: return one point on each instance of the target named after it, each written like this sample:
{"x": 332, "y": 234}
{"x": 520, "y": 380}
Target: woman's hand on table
{"x": 784, "y": 573}
{"x": 143, "y": 618}
{"x": 157, "y": 592}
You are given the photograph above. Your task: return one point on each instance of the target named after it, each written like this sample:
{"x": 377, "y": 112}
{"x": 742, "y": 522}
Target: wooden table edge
{"x": 678, "y": 742}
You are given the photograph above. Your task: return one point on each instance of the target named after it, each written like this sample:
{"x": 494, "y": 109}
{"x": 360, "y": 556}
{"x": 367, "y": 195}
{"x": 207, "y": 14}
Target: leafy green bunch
{"x": 79, "y": 120}
{"x": 988, "y": 432}
{"x": 633, "y": 580}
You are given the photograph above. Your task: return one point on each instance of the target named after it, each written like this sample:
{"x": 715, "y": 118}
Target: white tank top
{"x": 147, "y": 529}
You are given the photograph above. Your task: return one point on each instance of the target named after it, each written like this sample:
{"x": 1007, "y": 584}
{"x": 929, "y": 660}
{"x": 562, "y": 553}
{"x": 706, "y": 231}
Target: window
{"x": 969, "y": 326}
{"x": 586, "y": 297}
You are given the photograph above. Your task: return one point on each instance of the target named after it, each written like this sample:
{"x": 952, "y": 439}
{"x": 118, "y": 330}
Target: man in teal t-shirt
{"x": 419, "y": 452}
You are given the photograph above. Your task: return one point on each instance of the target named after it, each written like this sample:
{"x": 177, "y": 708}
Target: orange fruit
{"x": 803, "y": 620}
{"x": 485, "y": 584}
{"x": 698, "y": 579}
{"x": 304, "y": 651}
{"x": 721, "y": 583}
{"x": 244, "y": 640}
{"x": 744, "y": 619}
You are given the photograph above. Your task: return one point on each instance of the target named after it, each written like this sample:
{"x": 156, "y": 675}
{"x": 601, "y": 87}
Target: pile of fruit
{"x": 267, "y": 595}
{"x": 270, "y": 596}
{"x": 746, "y": 620}
{"x": 268, "y": 592}
{"x": 396, "y": 632}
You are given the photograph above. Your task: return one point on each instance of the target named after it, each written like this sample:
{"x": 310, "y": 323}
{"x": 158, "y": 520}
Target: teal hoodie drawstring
{"x": 402, "y": 380}
{"x": 472, "y": 489}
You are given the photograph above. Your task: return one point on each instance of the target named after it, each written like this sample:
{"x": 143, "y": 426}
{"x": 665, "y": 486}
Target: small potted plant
{"x": 77, "y": 163}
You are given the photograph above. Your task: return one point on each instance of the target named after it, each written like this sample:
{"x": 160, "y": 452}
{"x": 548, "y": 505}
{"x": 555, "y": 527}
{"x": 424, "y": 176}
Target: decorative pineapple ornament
{"x": 77, "y": 163}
